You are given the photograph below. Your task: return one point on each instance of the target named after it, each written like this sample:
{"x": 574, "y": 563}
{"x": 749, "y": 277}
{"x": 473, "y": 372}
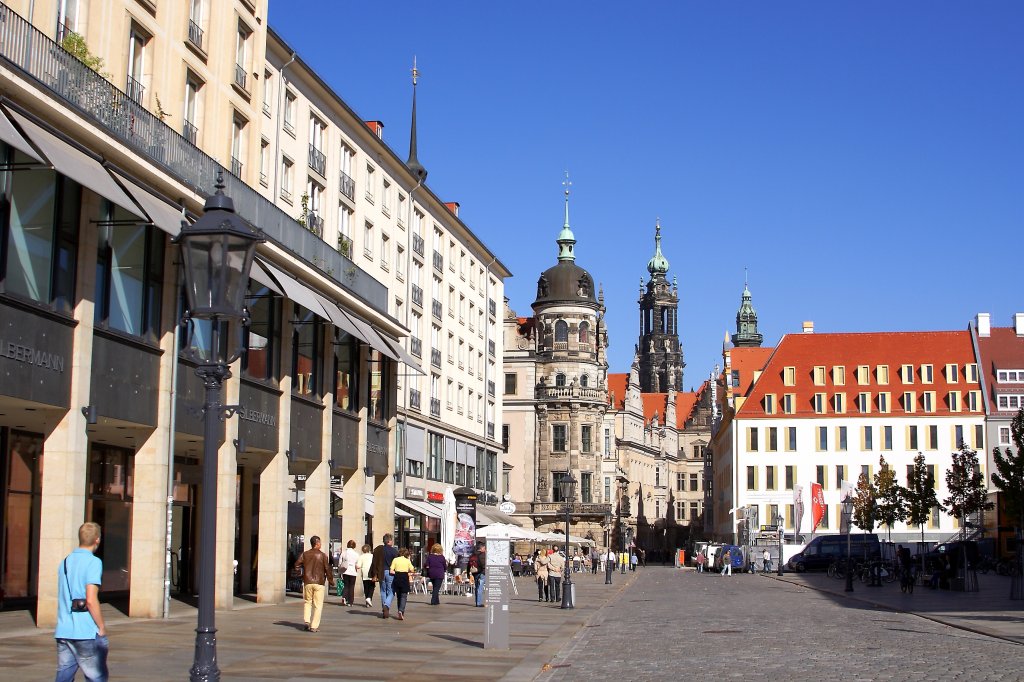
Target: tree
{"x": 920, "y": 495}
{"x": 966, "y": 484}
{"x": 1009, "y": 478}
{"x": 889, "y": 497}
{"x": 865, "y": 506}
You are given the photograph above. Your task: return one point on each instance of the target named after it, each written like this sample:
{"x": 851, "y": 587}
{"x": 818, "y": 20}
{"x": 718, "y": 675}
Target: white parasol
{"x": 448, "y": 525}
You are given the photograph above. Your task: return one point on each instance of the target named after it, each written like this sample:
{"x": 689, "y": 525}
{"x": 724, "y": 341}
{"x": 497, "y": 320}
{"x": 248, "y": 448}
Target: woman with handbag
{"x": 401, "y": 569}
{"x": 436, "y": 568}
{"x": 540, "y": 568}
{"x": 363, "y": 564}
{"x": 348, "y": 567}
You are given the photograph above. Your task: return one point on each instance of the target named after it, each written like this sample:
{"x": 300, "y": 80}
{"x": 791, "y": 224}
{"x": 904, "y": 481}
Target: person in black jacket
{"x": 480, "y": 563}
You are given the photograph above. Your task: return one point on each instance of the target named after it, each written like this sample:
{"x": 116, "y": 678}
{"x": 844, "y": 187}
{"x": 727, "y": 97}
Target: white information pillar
{"x": 496, "y": 593}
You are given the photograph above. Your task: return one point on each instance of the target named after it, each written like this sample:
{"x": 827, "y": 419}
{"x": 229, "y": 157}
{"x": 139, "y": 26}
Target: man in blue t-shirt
{"x": 81, "y": 635}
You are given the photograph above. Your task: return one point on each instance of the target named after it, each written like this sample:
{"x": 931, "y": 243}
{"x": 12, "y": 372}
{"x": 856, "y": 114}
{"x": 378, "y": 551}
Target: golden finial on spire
{"x": 415, "y": 71}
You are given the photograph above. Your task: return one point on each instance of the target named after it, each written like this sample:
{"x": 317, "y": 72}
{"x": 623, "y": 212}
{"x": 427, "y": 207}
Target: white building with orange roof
{"x": 824, "y": 408}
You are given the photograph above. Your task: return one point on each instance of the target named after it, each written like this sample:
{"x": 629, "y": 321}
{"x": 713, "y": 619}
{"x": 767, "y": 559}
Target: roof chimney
{"x": 809, "y": 327}
{"x": 377, "y": 127}
{"x": 984, "y": 324}
{"x": 453, "y": 206}
{"x": 1018, "y": 323}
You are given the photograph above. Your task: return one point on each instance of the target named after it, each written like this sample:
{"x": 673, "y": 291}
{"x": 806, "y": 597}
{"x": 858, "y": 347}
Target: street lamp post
{"x": 567, "y": 488}
{"x": 217, "y": 253}
{"x": 779, "y": 520}
{"x": 848, "y": 513}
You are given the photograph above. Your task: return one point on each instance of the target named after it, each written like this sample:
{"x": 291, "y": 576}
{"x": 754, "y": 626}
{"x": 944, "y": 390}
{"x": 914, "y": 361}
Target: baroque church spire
{"x": 414, "y": 163}
{"x": 658, "y": 265}
{"x": 746, "y": 335}
{"x": 566, "y": 239}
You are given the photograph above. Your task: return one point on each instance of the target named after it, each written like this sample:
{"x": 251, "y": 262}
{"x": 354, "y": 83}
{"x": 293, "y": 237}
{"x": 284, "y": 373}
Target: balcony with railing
{"x": 571, "y": 393}
{"x": 438, "y": 261}
{"x": 345, "y": 246}
{"x": 346, "y": 185}
{"x": 241, "y": 77}
{"x": 189, "y": 131}
{"x": 28, "y": 51}
{"x": 195, "y": 34}
{"x": 417, "y": 295}
{"x": 435, "y": 407}
{"x": 315, "y": 223}
{"x": 435, "y": 357}
{"x": 317, "y": 160}
{"x": 417, "y": 245}
{"x": 236, "y": 167}
{"x": 414, "y": 399}
{"x": 135, "y": 90}
{"x": 416, "y": 346}
{"x": 435, "y": 309}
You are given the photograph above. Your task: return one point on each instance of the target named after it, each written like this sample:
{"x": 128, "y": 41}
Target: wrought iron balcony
{"x": 190, "y": 132}
{"x": 435, "y": 407}
{"x": 195, "y": 34}
{"x": 414, "y": 399}
{"x": 438, "y": 261}
{"x": 236, "y": 167}
{"x": 135, "y": 90}
{"x": 317, "y": 160}
{"x": 416, "y": 346}
{"x": 417, "y": 244}
{"x": 315, "y": 224}
{"x": 346, "y": 185}
{"x": 417, "y": 295}
{"x": 240, "y": 77}
{"x": 435, "y": 357}
{"x": 435, "y": 309}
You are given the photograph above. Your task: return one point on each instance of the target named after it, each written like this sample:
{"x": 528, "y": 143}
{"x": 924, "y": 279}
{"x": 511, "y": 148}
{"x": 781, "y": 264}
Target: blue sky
{"x": 865, "y": 160}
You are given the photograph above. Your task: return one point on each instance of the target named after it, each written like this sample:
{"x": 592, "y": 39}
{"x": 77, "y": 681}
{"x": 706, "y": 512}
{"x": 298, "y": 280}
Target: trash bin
{"x": 682, "y": 558}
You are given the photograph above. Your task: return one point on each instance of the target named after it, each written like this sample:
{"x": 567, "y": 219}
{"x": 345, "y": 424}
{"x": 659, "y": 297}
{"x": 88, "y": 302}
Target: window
{"x": 863, "y": 375}
{"x": 238, "y": 128}
{"x": 607, "y": 488}
{"x": 1004, "y": 436}
{"x": 954, "y": 401}
{"x": 413, "y": 468}
{"x": 819, "y": 376}
{"x": 864, "y": 403}
{"x": 932, "y": 437}
{"x": 979, "y": 437}
{"x": 657, "y": 476}
{"x": 584, "y": 380}
{"x": 67, "y": 18}
{"x": 558, "y": 437}
{"x": 371, "y": 181}
{"x": 790, "y": 476}
{"x": 819, "y": 403}
{"x": 928, "y": 401}
{"x": 839, "y": 403}
{"x": 190, "y": 117}
{"x": 307, "y": 353}
{"x": 368, "y": 240}
{"x": 752, "y": 444}
{"x": 735, "y": 378}
{"x": 769, "y": 478}
{"x": 789, "y": 403}
{"x": 840, "y": 476}
{"x": 773, "y": 439}
{"x": 561, "y": 332}
{"x": 912, "y": 437}
{"x": 40, "y": 213}
{"x": 958, "y": 436}
{"x": 822, "y": 438}
{"x": 952, "y": 373}
{"x": 791, "y": 438}
{"x": 927, "y": 374}
{"x": 559, "y": 380}
{"x": 607, "y": 442}
{"x": 137, "y": 40}
{"x": 268, "y": 92}
{"x": 841, "y": 438}
{"x": 385, "y": 198}
{"x": 887, "y": 438}
{"x": 769, "y": 403}
{"x": 820, "y": 475}
{"x": 346, "y": 372}
{"x": 974, "y": 401}
{"x": 586, "y": 487}
{"x": 824, "y": 518}
{"x": 586, "y": 438}
{"x": 971, "y": 371}
{"x": 694, "y": 483}
{"x": 909, "y": 402}
{"x": 882, "y": 373}
{"x": 789, "y": 376}
{"x": 435, "y": 462}
{"x": 556, "y": 478}
{"x": 510, "y": 383}
{"x": 839, "y": 375}
{"x": 867, "y": 438}
{"x": 584, "y": 333}
{"x": 290, "y": 106}
{"x": 385, "y": 251}
{"x": 265, "y": 162}
{"x": 242, "y": 56}
{"x": 907, "y": 374}
{"x": 129, "y": 275}
{"x": 694, "y": 511}
{"x": 1009, "y": 376}
{"x": 1007, "y": 402}
{"x": 751, "y": 478}
{"x": 286, "y": 179}
{"x": 883, "y": 403}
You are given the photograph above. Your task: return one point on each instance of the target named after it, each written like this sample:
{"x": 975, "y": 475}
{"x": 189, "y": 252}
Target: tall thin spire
{"x": 658, "y": 265}
{"x": 414, "y": 163}
{"x": 566, "y": 239}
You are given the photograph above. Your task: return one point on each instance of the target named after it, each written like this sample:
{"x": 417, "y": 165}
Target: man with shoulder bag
{"x": 316, "y": 570}
{"x": 81, "y": 634}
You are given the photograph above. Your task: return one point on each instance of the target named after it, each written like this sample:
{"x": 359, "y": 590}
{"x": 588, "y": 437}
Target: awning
{"x": 76, "y": 164}
{"x": 10, "y": 135}
{"x": 338, "y": 317}
{"x": 404, "y": 357}
{"x": 162, "y": 214}
{"x": 488, "y": 515}
{"x": 373, "y": 338}
{"x": 295, "y": 290}
{"x": 449, "y": 449}
{"x": 414, "y": 445}
{"x": 261, "y": 276}
{"x": 460, "y": 453}
{"x": 426, "y": 508}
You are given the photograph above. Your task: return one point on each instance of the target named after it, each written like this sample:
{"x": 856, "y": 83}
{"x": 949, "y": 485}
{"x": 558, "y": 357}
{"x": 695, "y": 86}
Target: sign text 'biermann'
{"x": 251, "y": 415}
{"x": 31, "y": 356}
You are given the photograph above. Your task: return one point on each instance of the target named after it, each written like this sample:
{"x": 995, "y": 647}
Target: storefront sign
{"x": 414, "y": 493}
{"x": 252, "y": 415}
{"x": 31, "y": 356}
{"x": 507, "y": 507}
{"x": 435, "y": 497}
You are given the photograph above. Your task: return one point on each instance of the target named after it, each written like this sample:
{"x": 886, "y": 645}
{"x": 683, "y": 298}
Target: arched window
{"x": 561, "y": 332}
{"x": 559, "y": 379}
{"x": 584, "y": 381}
{"x": 584, "y": 333}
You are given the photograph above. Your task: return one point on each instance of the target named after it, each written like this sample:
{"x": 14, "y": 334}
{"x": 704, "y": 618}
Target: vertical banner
{"x": 465, "y": 523}
{"x": 798, "y": 511}
{"x": 817, "y": 504}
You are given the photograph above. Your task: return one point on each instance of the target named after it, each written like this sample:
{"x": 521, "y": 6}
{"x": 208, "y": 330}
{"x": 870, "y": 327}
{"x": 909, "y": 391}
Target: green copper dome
{"x": 659, "y": 264}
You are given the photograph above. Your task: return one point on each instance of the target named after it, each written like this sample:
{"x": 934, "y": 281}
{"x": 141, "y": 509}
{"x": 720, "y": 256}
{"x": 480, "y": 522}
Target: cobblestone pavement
{"x": 672, "y": 624}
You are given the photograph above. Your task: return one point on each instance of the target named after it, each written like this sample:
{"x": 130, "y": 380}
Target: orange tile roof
{"x": 655, "y": 402}
{"x": 849, "y": 350}
{"x": 617, "y": 385}
{"x": 1002, "y": 349}
{"x": 746, "y": 361}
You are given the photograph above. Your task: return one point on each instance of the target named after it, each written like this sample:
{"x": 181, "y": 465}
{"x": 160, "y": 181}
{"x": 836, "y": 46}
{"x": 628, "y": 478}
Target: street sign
{"x": 769, "y": 529}
{"x": 507, "y": 508}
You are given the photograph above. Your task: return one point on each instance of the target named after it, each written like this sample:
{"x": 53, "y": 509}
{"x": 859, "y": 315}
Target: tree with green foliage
{"x": 1009, "y": 478}
{"x": 920, "y": 496}
{"x": 889, "y": 497}
{"x": 865, "y": 505}
{"x": 966, "y": 484}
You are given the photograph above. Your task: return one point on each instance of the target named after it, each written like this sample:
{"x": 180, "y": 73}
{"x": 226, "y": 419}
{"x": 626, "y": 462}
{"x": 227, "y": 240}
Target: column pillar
{"x": 227, "y": 494}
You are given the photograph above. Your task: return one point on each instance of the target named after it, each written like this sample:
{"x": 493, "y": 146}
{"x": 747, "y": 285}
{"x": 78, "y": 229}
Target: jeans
{"x": 727, "y": 568}
{"x": 387, "y": 592}
{"x": 481, "y": 582}
{"x": 88, "y": 654}
{"x": 435, "y": 591}
{"x": 402, "y": 598}
{"x": 312, "y": 605}
{"x": 556, "y": 587}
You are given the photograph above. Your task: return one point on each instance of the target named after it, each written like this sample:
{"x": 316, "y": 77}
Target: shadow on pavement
{"x": 460, "y": 640}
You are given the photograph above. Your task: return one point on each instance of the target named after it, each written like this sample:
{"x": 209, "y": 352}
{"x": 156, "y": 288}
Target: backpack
{"x": 474, "y": 567}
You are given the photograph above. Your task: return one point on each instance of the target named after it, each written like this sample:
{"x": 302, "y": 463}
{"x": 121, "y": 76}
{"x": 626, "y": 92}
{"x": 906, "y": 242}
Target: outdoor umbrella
{"x": 448, "y": 525}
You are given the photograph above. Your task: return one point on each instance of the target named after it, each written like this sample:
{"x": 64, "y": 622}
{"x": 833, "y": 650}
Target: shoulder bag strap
{"x": 71, "y": 596}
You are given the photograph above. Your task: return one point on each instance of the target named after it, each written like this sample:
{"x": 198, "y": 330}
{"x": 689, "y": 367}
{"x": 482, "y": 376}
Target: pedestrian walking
{"x": 480, "y": 577}
{"x": 541, "y": 565}
{"x": 555, "y": 569}
{"x": 363, "y": 564}
{"x": 609, "y": 566}
{"x": 623, "y": 561}
{"x": 380, "y": 572}
{"x": 595, "y": 561}
{"x": 701, "y": 560}
{"x": 436, "y": 568}
{"x": 766, "y": 559}
{"x": 727, "y": 563}
{"x": 81, "y": 634}
{"x": 349, "y": 558}
{"x": 401, "y": 569}
{"x": 316, "y": 569}
{"x": 633, "y": 561}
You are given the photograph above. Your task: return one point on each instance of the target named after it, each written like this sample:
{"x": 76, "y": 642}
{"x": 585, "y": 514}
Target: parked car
{"x": 824, "y": 549}
{"x": 936, "y": 557}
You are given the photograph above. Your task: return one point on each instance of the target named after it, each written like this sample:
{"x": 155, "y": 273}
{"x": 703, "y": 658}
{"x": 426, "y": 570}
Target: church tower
{"x": 746, "y": 335}
{"x": 661, "y": 355}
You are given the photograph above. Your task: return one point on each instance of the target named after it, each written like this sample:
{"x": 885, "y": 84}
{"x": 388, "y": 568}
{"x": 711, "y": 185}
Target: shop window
{"x": 260, "y": 358}
{"x": 491, "y": 482}
{"x": 40, "y": 233}
{"x": 21, "y": 475}
{"x": 346, "y": 371}
{"x": 307, "y": 352}
{"x": 435, "y": 464}
{"x": 129, "y": 275}
{"x": 378, "y": 366}
{"x": 110, "y": 488}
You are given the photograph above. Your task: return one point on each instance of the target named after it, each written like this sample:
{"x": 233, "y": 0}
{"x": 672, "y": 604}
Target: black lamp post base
{"x": 204, "y": 668}
{"x": 567, "y": 594}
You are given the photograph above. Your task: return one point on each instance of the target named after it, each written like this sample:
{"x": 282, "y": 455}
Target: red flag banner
{"x": 817, "y": 504}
